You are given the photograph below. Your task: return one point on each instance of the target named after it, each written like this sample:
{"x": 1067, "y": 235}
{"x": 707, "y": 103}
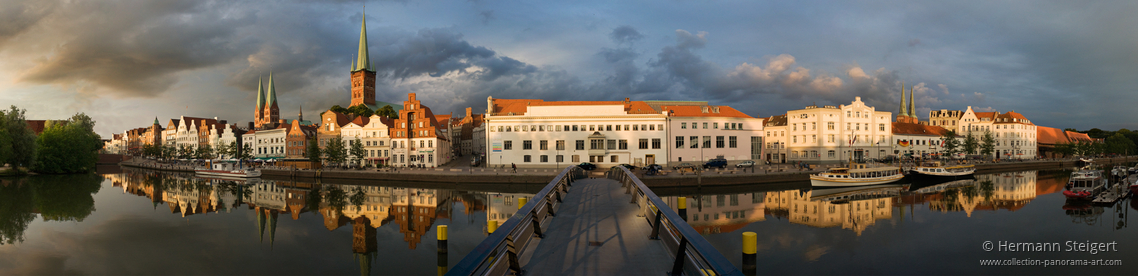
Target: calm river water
{"x": 144, "y": 222}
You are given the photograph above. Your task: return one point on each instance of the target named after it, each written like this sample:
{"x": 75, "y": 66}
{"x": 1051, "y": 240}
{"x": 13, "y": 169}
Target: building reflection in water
{"x": 364, "y": 207}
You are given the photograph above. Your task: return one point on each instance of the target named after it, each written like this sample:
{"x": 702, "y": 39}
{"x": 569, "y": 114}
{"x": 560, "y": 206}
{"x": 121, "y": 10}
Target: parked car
{"x": 587, "y": 166}
{"x": 715, "y": 163}
{"x": 745, "y": 164}
{"x": 654, "y": 167}
{"x": 629, "y": 166}
{"x": 685, "y": 167}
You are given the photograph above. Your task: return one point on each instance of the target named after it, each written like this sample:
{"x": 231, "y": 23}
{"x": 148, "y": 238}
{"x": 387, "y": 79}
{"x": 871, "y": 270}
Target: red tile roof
{"x": 777, "y": 120}
{"x": 917, "y": 129}
{"x": 1012, "y": 117}
{"x": 698, "y": 111}
{"x": 1078, "y": 136}
{"x": 1050, "y": 136}
{"x": 361, "y": 121}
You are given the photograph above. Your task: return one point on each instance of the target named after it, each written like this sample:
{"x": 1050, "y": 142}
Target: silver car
{"x": 745, "y": 164}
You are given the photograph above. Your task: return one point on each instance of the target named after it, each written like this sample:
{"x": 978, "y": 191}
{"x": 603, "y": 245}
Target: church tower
{"x": 363, "y": 75}
{"x": 271, "y": 113}
{"x": 908, "y": 110}
{"x": 260, "y": 104}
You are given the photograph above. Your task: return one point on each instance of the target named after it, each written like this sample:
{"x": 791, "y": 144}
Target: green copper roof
{"x": 155, "y": 120}
{"x": 912, "y": 104}
{"x": 362, "y": 62}
{"x": 271, "y": 95}
{"x": 902, "y": 110}
{"x": 260, "y": 94}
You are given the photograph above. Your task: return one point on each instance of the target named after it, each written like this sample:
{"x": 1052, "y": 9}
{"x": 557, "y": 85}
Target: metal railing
{"x": 498, "y": 253}
{"x": 693, "y": 254}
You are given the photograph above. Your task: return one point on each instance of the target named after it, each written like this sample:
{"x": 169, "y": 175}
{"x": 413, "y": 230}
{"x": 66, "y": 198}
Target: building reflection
{"x": 853, "y": 209}
{"x": 989, "y": 192}
{"x": 364, "y": 208}
{"x": 713, "y": 214}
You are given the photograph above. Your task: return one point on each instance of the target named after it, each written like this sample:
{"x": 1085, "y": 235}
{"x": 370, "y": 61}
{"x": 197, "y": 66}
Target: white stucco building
{"x": 700, "y": 132}
{"x": 538, "y": 134}
{"x": 837, "y": 133}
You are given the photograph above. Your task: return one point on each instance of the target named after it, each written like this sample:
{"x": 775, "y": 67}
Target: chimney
{"x": 250, "y": 125}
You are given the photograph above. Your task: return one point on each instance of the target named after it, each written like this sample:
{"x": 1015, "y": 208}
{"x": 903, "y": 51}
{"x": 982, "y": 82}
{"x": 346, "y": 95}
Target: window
{"x": 614, "y": 159}
{"x": 660, "y": 127}
{"x": 592, "y": 127}
{"x": 830, "y": 154}
{"x": 847, "y": 126}
{"x": 694, "y": 142}
{"x": 544, "y": 145}
{"x": 813, "y": 125}
{"x": 560, "y": 144}
{"x": 545, "y": 159}
{"x": 580, "y": 145}
{"x": 623, "y": 144}
{"x": 608, "y": 128}
{"x": 794, "y": 127}
{"x": 526, "y": 158}
{"x": 611, "y": 144}
{"x": 814, "y": 138}
{"x": 719, "y": 142}
{"x": 643, "y": 127}
{"x": 679, "y": 142}
{"x": 576, "y": 158}
{"x": 574, "y": 127}
{"x": 881, "y": 127}
{"x": 626, "y": 127}
{"x": 707, "y": 142}
{"x": 655, "y": 143}
{"x": 831, "y": 139}
{"x": 847, "y": 114}
{"x": 651, "y": 127}
{"x": 705, "y": 125}
{"x": 732, "y": 142}
{"x": 560, "y": 158}
{"x": 636, "y": 127}
{"x": 643, "y": 143}
{"x": 507, "y": 145}
{"x": 596, "y": 144}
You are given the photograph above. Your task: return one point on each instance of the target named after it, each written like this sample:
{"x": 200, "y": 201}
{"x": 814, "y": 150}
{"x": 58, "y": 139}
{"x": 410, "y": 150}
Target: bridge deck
{"x": 597, "y": 232}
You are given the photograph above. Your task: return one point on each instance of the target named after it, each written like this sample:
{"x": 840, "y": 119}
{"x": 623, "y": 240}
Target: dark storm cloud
{"x": 134, "y": 48}
{"x": 625, "y": 34}
{"x": 20, "y": 15}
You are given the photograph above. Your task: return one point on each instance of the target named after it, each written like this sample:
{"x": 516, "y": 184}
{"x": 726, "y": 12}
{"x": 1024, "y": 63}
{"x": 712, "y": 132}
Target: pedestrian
{"x": 515, "y": 166}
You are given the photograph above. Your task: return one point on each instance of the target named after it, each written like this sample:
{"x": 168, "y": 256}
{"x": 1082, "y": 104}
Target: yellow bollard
{"x": 522, "y": 202}
{"x": 682, "y": 204}
{"x": 442, "y": 231}
{"x": 491, "y": 226}
{"x": 750, "y": 247}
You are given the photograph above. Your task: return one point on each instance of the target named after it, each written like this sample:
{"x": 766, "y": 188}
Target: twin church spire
{"x": 907, "y": 112}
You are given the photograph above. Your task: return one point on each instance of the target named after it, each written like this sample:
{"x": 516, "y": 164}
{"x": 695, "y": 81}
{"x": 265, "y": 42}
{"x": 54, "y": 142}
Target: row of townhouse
{"x": 184, "y": 132}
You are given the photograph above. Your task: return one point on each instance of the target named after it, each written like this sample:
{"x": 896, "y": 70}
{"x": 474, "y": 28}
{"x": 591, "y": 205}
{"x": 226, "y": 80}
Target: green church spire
{"x": 903, "y": 110}
{"x": 912, "y": 104}
{"x": 271, "y": 95}
{"x": 260, "y": 94}
{"x": 362, "y": 62}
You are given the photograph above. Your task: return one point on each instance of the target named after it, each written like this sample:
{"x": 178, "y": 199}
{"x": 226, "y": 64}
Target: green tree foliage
{"x": 169, "y": 152}
{"x": 1066, "y": 149}
{"x": 242, "y": 152}
{"x": 21, "y": 138}
{"x": 223, "y": 150}
{"x": 204, "y": 152}
{"x": 387, "y": 111}
{"x": 987, "y": 144}
{"x": 971, "y": 144}
{"x": 360, "y": 110}
{"x": 357, "y": 151}
{"x": 951, "y": 145}
{"x": 1119, "y": 144}
{"x": 335, "y": 152}
{"x": 68, "y": 147}
{"x": 185, "y": 152}
{"x": 340, "y": 109}
{"x": 313, "y": 151}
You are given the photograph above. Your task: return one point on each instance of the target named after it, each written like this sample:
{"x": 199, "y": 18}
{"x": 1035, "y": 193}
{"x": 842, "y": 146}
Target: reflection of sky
{"x": 128, "y": 235}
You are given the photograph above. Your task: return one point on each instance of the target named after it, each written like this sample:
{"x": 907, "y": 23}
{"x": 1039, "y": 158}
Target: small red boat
{"x": 1079, "y": 194}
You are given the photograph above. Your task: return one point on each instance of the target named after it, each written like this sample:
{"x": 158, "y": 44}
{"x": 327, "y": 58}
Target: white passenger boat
{"x": 937, "y": 169}
{"x": 856, "y": 175}
{"x": 1085, "y": 184}
{"x": 228, "y": 169}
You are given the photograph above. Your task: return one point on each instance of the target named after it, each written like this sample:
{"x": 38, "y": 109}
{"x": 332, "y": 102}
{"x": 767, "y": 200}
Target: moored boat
{"x": 1085, "y": 184}
{"x": 228, "y": 169}
{"x": 938, "y": 169}
{"x": 856, "y": 175}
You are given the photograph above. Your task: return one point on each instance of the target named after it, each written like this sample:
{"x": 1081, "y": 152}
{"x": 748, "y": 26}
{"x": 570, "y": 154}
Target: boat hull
{"x": 819, "y": 181}
{"x": 229, "y": 174}
{"x": 942, "y": 174}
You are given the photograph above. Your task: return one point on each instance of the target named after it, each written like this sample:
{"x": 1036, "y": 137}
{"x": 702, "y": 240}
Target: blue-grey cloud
{"x": 625, "y": 34}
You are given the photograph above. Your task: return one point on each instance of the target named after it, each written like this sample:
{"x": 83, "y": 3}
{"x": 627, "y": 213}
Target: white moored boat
{"x": 859, "y": 175}
{"x": 938, "y": 169}
{"x": 228, "y": 169}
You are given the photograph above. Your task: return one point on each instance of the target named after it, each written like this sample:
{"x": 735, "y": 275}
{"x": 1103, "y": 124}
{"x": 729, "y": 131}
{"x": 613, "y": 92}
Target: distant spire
{"x": 260, "y": 94}
{"x": 903, "y": 110}
{"x": 300, "y": 116}
{"x": 362, "y": 61}
{"x": 271, "y": 95}
{"x": 912, "y": 104}
{"x": 155, "y": 120}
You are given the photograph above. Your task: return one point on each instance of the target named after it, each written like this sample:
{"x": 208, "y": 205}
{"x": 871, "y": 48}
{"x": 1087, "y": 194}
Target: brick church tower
{"x": 907, "y": 113}
{"x": 267, "y": 113}
{"x": 363, "y": 75}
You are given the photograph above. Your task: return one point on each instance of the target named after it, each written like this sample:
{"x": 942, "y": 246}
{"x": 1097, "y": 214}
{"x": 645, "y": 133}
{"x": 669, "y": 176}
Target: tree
{"x": 987, "y": 144}
{"x": 223, "y": 150}
{"x": 169, "y": 152}
{"x": 361, "y": 110}
{"x": 185, "y": 152}
{"x": 340, "y": 109}
{"x": 335, "y": 151}
{"x": 22, "y": 140}
{"x": 1119, "y": 144}
{"x": 387, "y": 111}
{"x": 951, "y": 145}
{"x": 970, "y": 144}
{"x": 68, "y": 147}
{"x": 204, "y": 152}
{"x": 358, "y": 151}
{"x": 313, "y": 151}
{"x": 1066, "y": 149}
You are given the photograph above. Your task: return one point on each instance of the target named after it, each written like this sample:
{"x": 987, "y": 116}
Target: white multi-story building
{"x": 377, "y": 139}
{"x": 270, "y": 143}
{"x": 229, "y": 134}
{"x": 1015, "y": 136}
{"x": 774, "y": 132}
{"x": 701, "y": 132}
{"x": 534, "y": 133}
{"x": 836, "y": 134}
{"x": 918, "y": 140}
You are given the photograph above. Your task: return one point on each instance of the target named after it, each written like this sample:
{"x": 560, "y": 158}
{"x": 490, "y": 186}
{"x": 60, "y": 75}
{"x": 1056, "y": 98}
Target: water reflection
{"x": 362, "y": 208}
{"x": 52, "y": 197}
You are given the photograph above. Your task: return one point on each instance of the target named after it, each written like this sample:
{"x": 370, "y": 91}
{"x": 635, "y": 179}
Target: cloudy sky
{"x": 1063, "y": 64}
